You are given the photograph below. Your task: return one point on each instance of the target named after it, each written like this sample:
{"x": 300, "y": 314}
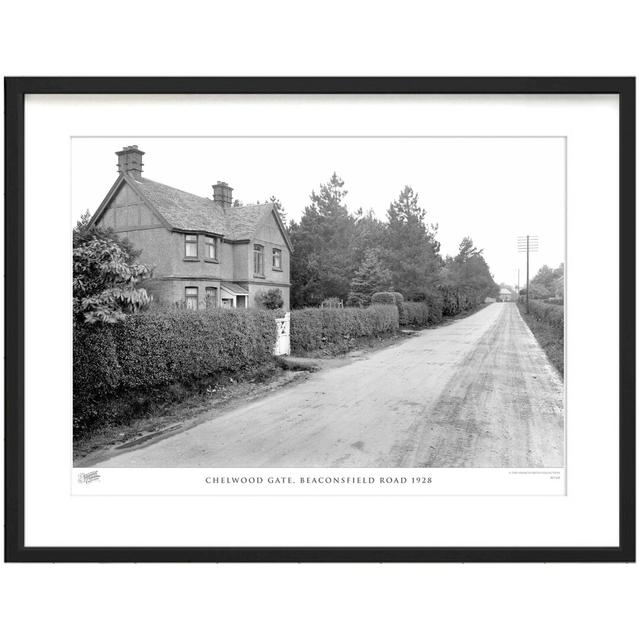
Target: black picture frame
{"x": 15, "y": 91}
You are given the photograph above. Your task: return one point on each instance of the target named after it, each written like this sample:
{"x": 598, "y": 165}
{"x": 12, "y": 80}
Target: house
{"x": 505, "y": 295}
{"x": 204, "y": 251}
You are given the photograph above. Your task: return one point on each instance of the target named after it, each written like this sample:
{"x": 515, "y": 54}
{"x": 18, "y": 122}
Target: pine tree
{"x": 279, "y": 209}
{"x": 321, "y": 262}
{"x": 368, "y": 234}
{"x": 466, "y": 278}
{"x": 83, "y": 222}
{"x": 412, "y": 252}
{"x": 371, "y": 276}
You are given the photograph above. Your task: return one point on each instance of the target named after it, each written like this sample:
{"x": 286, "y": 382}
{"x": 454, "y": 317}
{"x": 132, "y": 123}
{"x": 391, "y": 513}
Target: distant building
{"x": 505, "y": 295}
{"x": 203, "y": 251}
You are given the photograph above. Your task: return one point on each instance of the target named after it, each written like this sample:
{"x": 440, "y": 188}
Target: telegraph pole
{"x": 527, "y": 275}
{"x": 527, "y": 244}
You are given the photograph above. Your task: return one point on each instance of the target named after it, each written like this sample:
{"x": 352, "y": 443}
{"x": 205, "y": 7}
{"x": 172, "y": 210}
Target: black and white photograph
{"x": 319, "y": 302}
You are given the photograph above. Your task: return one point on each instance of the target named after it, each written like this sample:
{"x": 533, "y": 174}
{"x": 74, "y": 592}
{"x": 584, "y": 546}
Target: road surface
{"x": 477, "y": 392}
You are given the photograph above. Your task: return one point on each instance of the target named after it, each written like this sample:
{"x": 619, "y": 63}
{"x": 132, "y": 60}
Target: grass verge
{"x": 550, "y": 338}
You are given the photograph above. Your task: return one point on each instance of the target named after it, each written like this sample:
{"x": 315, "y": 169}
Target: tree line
{"x": 547, "y": 283}
{"x": 349, "y": 255}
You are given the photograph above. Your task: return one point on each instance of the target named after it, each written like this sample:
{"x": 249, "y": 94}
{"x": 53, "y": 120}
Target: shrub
{"x": 455, "y": 300}
{"x": 550, "y": 314}
{"x": 435, "y": 304}
{"x": 105, "y": 277}
{"x": 415, "y": 314}
{"x": 271, "y": 299}
{"x": 336, "y": 329}
{"x": 450, "y": 302}
{"x": 383, "y": 297}
{"x": 153, "y": 350}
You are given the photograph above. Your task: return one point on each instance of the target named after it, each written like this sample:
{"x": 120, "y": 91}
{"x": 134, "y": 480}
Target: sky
{"x": 491, "y": 189}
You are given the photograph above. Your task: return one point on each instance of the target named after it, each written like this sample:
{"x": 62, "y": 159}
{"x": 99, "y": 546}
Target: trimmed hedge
{"x": 416, "y": 314}
{"x": 455, "y": 300}
{"x": 390, "y": 297}
{"x": 434, "y": 303}
{"x": 446, "y": 301}
{"x": 336, "y": 329}
{"x": 383, "y": 297}
{"x": 152, "y": 350}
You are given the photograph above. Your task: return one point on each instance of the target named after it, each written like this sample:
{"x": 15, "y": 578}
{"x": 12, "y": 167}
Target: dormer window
{"x": 191, "y": 246}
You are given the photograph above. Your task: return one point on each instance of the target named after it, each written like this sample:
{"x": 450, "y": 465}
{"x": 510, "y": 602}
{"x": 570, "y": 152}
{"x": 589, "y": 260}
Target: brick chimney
{"x": 130, "y": 161}
{"x": 222, "y": 194}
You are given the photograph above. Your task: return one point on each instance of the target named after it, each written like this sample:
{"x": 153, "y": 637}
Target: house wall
{"x": 227, "y": 260}
{"x": 180, "y": 265}
{"x": 171, "y": 290}
{"x": 240, "y": 256}
{"x": 164, "y": 250}
{"x": 130, "y": 217}
{"x": 268, "y": 234}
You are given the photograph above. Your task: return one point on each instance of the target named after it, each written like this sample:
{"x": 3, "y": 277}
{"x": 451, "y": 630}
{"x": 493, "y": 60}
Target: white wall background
{"x": 328, "y": 38}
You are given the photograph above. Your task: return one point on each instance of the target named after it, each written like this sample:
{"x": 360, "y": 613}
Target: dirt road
{"x": 478, "y": 392}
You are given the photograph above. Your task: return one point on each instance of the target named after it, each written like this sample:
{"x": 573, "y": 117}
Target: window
{"x": 258, "y": 260}
{"x": 211, "y": 296}
{"x": 191, "y": 246}
{"x": 191, "y": 297}
{"x": 277, "y": 259}
{"x": 210, "y": 248}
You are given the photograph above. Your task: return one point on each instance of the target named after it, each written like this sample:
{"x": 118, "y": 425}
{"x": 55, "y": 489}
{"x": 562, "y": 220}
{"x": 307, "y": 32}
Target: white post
{"x": 283, "y": 342}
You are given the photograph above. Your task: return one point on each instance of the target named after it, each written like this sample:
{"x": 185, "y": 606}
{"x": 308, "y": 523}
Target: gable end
{"x": 125, "y": 208}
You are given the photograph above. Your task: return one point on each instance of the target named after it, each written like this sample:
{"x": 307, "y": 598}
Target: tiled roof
{"x": 242, "y": 221}
{"x": 189, "y": 212}
{"x": 235, "y": 288}
{"x": 183, "y": 210}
